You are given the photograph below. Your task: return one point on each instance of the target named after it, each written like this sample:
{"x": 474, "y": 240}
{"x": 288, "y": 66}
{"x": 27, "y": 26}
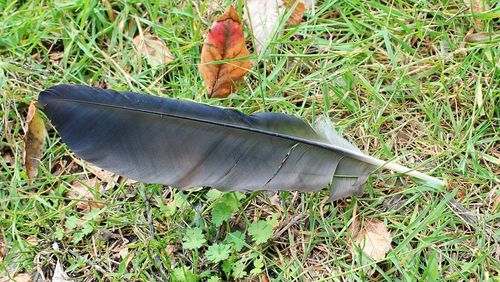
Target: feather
{"x": 186, "y": 144}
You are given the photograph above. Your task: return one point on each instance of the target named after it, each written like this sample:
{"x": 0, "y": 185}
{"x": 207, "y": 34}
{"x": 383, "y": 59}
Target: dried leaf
{"x": 225, "y": 41}
{"x": 263, "y": 16}
{"x": 21, "y": 277}
{"x": 80, "y": 191}
{"x": 496, "y": 204}
{"x": 125, "y": 254}
{"x": 56, "y": 56}
{"x": 153, "y": 49}
{"x": 170, "y": 253}
{"x": 372, "y": 237}
{"x": 32, "y": 240}
{"x": 34, "y": 140}
{"x": 100, "y": 173}
{"x": 308, "y": 3}
{"x": 59, "y": 274}
{"x": 7, "y": 158}
{"x": 477, "y": 7}
{"x": 298, "y": 11}
{"x": 480, "y": 36}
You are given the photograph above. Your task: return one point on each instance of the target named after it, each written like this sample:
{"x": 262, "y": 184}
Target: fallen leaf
{"x": 153, "y": 49}
{"x": 372, "y": 237}
{"x": 480, "y": 36}
{"x": 123, "y": 252}
{"x": 21, "y": 277}
{"x": 225, "y": 41}
{"x": 7, "y": 158}
{"x": 100, "y": 173}
{"x": 496, "y": 204}
{"x": 56, "y": 56}
{"x": 129, "y": 258}
{"x": 308, "y": 3}
{"x": 477, "y": 7}
{"x": 170, "y": 252}
{"x": 103, "y": 175}
{"x": 80, "y": 191}
{"x": 263, "y": 16}
{"x": 34, "y": 141}
{"x": 32, "y": 240}
{"x": 59, "y": 274}
{"x": 298, "y": 11}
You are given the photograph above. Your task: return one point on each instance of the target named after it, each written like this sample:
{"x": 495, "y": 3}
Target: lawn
{"x": 412, "y": 81}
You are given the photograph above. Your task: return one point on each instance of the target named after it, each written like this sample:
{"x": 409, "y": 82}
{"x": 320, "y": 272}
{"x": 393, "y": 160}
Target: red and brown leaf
{"x": 225, "y": 42}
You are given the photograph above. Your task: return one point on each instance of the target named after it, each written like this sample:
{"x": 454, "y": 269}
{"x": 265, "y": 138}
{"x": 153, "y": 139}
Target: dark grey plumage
{"x": 187, "y": 144}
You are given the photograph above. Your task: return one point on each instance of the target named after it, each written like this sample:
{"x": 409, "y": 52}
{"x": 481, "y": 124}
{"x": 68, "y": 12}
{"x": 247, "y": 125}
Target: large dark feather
{"x": 187, "y": 144}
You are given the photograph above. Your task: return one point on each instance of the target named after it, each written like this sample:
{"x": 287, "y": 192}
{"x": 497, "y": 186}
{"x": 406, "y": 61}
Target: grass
{"x": 397, "y": 78}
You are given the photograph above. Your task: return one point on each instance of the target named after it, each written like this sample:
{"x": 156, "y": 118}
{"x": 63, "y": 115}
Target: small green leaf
{"x": 217, "y": 252}
{"x": 260, "y": 231}
{"x": 258, "y": 264}
{"x": 231, "y": 199}
{"x": 227, "y": 266}
{"x": 181, "y": 274}
{"x": 87, "y": 228}
{"x": 59, "y": 233}
{"x": 71, "y": 222}
{"x": 213, "y": 195}
{"x": 274, "y": 219}
{"x": 224, "y": 207}
{"x": 180, "y": 201}
{"x": 220, "y": 213}
{"x": 77, "y": 237}
{"x": 239, "y": 270}
{"x": 214, "y": 279}
{"x": 237, "y": 239}
{"x": 193, "y": 238}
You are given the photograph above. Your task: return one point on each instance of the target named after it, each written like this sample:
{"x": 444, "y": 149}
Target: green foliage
{"x": 79, "y": 227}
{"x": 217, "y": 252}
{"x": 178, "y": 204}
{"x": 224, "y": 207}
{"x": 182, "y": 274}
{"x": 237, "y": 239}
{"x": 260, "y": 231}
{"x": 193, "y": 238}
{"x": 71, "y": 222}
{"x": 258, "y": 265}
{"x": 220, "y": 213}
{"x": 59, "y": 233}
{"x": 239, "y": 270}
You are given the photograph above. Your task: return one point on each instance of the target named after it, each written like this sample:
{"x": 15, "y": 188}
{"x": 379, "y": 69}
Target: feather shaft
{"x": 186, "y": 144}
